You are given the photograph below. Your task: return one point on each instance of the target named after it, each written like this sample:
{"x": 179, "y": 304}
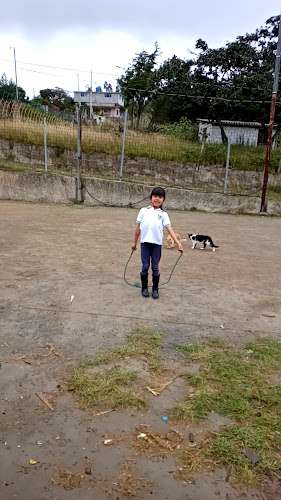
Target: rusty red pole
{"x": 271, "y": 120}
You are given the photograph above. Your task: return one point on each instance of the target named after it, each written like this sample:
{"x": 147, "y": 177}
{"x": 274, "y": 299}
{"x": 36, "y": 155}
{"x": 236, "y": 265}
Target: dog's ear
{"x": 189, "y": 235}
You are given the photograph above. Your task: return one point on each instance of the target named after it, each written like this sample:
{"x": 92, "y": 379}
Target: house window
{"x": 107, "y": 94}
{"x": 83, "y": 94}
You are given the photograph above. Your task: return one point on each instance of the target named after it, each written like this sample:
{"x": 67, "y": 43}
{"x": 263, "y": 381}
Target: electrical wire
{"x": 61, "y": 67}
{"x": 210, "y": 98}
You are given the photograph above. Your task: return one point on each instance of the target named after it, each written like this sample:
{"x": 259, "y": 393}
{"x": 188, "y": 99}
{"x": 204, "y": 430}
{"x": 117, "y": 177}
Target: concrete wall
{"x": 137, "y": 169}
{"x": 34, "y": 186}
{"x": 50, "y": 188}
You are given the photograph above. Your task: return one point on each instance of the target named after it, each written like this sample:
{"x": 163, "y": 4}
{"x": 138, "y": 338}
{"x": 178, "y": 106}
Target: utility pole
{"x": 15, "y": 61}
{"x": 79, "y": 100}
{"x": 79, "y": 156}
{"x": 271, "y": 119}
{"x": 91, "y": 105}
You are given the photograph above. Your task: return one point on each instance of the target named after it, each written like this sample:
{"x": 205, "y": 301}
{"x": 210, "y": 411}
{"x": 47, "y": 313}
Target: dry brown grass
{"x": 128, "y": 484}
{"x": 67, "y": 479}
{"x": 154, "y": 444}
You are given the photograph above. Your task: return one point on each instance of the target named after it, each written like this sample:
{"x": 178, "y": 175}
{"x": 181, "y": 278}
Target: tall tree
{"x": 136, "y": 84}
{"x": 235, "y": 81}
{"x": 57, "y": 98}
{"x": 8, "y": 90}
{"x": 173, "y": 80}
{"x": 107, "y": 87}
{"x": 232, "y": 82}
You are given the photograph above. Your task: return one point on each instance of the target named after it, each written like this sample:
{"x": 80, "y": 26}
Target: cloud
{"x": 143, "y": 18}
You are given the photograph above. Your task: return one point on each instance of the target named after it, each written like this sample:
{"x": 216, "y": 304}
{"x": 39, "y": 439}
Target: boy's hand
{"x": 180, "y": 248}
{"x": 134, "y": 246}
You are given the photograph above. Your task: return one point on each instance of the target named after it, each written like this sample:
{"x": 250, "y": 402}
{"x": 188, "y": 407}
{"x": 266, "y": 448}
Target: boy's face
{"x": 157, "y": 201}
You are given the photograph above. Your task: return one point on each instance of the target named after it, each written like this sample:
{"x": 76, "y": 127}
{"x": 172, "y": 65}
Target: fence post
{"x": 79, "y": 156}
{"x": 226, "y": 168}
{"x": 123, "y": 144}
{"x": 45, "y": 145}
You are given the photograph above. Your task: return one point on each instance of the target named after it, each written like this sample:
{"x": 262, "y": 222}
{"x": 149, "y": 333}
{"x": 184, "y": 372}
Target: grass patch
{"x": 67, "y": 479}
{"x": 141, "y": 343}
{"x": 110, "y": 388}
{"x": 128, "y": 484}
{"x": 24, "y": 167}
{"x": 235, "y": 383}
{"x": 102, "y": 139}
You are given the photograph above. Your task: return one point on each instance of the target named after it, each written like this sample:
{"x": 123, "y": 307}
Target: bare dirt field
{"x": 51, "y": 253}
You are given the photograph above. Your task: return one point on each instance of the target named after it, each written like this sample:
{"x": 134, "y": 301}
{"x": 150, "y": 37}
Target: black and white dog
{"x": 200, "y": 238}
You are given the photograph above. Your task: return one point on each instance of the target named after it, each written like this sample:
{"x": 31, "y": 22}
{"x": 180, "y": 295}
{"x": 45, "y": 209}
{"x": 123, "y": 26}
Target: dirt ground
{"x": 50, "y": 253}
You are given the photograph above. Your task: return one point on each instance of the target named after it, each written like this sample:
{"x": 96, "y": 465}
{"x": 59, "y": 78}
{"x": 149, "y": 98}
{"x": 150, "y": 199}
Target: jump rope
{"x": 138, "y": 285}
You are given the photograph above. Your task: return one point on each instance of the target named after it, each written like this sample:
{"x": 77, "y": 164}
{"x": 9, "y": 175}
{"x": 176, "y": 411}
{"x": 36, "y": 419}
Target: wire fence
{"x": 112, "y": 149}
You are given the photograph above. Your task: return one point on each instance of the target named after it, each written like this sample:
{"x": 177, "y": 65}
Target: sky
{"x": 57, "y": 44}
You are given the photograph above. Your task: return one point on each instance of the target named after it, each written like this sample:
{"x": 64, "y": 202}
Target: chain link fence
{"x": 110, "y": 148}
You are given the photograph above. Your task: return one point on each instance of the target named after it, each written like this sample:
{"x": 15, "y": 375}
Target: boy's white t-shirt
{"x": 151, "y": 224}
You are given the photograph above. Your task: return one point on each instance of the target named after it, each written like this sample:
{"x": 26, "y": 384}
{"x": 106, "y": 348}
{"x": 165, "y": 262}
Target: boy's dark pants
{"x": 153, "y": 252}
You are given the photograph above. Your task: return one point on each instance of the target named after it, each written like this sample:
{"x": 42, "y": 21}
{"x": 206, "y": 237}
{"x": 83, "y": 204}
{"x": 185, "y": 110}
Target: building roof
{"x": 233, "y": 123}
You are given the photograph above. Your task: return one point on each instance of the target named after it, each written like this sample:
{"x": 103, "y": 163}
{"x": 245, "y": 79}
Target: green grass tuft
{"x": 110, "y": 388}
{"x": 142, "y": 342}
{"x": 235, "y": 383}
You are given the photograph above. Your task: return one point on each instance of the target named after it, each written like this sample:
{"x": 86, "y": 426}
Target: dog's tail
{"x": 215, "y": 246}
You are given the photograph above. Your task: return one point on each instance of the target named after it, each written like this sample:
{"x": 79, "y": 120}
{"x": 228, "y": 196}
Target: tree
{"x": 8, "y": 90}
{"x": 107, "y": 87}
{"x": 136, "y": 84}
{"x": 235, "y": 81}
{"x": 57, "y": 98}
{"x": 172, "y": 83}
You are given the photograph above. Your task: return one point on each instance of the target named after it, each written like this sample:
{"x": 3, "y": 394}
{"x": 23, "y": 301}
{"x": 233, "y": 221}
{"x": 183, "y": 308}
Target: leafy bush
{"x": 183, "y": 129}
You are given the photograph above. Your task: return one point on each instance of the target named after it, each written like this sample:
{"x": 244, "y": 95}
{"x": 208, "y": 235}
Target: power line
{"x": 211, "y": 98}
{"x": 60, "y": 67}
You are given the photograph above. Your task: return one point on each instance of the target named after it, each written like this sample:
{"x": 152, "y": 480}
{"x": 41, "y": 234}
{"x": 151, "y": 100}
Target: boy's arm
{"x": 172, "y": 234}
{"x": 136, "y": 237}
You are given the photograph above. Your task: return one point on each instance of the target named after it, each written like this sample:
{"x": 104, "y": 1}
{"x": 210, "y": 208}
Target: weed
{"x": 67, "y": 479}
{"x": 128, "y": 484}
{"x": 267, "y": 352}
{"x": 143, "y": 342}
{"x": 235, "y": 383}
{"x": 110, "y": 388}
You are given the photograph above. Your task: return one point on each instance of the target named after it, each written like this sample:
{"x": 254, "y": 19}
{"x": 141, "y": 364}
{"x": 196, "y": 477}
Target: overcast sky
{"x": 80, "y": 36}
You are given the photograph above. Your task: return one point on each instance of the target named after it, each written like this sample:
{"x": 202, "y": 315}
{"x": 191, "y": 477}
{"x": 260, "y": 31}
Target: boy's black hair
{"x": 158, "y": 191}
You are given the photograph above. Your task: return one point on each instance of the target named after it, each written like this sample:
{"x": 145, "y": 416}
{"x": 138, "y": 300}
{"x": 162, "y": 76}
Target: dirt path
{"x": 50, "y": 253}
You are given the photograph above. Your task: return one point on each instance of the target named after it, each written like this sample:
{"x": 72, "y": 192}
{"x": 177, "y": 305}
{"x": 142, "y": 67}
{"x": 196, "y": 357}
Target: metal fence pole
{"x": 123, "y": 144}
{"x": 79, "y": 156}
{"x": 45, "y": 145}
{"x": 226, "y": 168}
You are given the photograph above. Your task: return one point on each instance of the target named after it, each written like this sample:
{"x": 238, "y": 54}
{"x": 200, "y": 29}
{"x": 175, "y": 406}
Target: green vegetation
{"x": 112, "y": 387}
{"x": 160, "y": 146}
{"x": 141, "y": 343}
{"x": 236, "y": 383}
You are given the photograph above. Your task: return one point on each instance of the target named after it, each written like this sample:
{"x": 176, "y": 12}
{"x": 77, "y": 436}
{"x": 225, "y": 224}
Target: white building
{"x": 109, "y": 102}
{"x": 237, "y": 132}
